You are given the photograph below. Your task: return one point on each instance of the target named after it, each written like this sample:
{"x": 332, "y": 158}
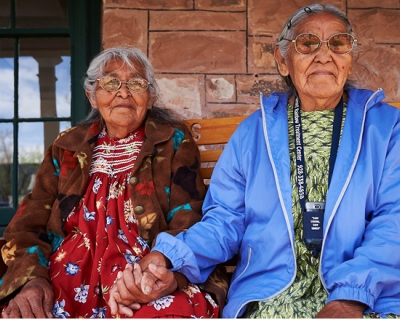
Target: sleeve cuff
{"x": 180, "y": 255}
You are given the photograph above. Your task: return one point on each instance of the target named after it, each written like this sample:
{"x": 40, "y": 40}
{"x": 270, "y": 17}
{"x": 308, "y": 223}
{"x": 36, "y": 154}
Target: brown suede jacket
{"x": 166, "y": 188}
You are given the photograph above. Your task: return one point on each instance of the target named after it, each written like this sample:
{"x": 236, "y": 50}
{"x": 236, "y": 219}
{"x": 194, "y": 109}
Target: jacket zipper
{"x": 345, "y": 186}
{"x": 282, "y": 205}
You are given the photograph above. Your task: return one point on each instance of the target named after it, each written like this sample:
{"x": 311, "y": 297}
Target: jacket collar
{"x": 155, "y": 132}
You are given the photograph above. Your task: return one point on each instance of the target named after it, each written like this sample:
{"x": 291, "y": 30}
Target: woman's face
{"x": 319, "y": 75}
{"x": 123, "y": 111}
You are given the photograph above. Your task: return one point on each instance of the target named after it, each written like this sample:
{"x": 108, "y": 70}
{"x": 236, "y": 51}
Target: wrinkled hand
{"x": 35, "y": 300}
{"x": 342, "y": 309}
{"x": 134, "y": 286}
{"x": 154, "y": 257}
{"x": 124, "y": 303}
{"x": 156, "y": 278}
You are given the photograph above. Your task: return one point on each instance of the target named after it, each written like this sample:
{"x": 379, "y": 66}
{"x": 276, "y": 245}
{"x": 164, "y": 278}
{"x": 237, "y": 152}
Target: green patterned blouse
{"x": 306, "y": 296}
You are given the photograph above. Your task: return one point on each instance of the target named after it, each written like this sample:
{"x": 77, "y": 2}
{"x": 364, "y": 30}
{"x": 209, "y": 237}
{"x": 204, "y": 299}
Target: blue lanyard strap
{"x": 313, "y": 219}
{"x": 299, "y": 148}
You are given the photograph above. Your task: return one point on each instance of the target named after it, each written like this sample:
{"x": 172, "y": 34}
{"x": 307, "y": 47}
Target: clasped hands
{"x": 142, "y": 282}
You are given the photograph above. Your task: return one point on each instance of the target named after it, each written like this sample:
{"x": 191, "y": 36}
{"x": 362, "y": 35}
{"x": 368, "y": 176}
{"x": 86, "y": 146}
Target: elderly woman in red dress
{"x": 105, "y": 189}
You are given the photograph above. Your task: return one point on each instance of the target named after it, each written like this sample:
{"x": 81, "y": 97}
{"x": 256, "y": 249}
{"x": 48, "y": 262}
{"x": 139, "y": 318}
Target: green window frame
{"x": 84, "y": 34}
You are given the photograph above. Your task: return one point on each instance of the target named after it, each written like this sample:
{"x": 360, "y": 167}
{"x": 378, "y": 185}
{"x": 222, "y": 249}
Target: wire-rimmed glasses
{"x": 111, "y": 84}
{"x": 339, "y": 43}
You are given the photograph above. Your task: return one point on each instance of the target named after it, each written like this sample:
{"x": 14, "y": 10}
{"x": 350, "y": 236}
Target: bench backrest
{"x": 396, "y": 104}
{"x": 211, "y": 135}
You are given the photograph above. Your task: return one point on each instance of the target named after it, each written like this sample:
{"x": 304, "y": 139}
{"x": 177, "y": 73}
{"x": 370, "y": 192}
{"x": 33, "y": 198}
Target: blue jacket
{"x": 248, "y": 210}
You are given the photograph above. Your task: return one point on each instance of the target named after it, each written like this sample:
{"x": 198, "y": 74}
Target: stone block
{"x": 376, "y": 24}
{"x": 261, "y": 55}
{"x": 219, "y": 110}
{"x": 378, "y": 66}
{"x": 250, "y": 86}
{"x": 197, "y": 20}
{"x": 125, "y": 27}
{"x": 268, "y": 17}
{"x": 394, "y": 4}
{"x": 195, "y": 52}
{"x": 149, "y": 4}
{"x": 220, "y": 88}
{"x": 223, "y": 5}
{"x": 185, "y": 94}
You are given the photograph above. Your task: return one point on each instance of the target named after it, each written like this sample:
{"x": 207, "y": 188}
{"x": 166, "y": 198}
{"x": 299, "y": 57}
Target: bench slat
{"x": 213, "y": 131}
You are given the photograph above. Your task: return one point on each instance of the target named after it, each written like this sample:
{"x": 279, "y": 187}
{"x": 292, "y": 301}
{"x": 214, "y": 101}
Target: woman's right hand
{"x": 35, "y": 300}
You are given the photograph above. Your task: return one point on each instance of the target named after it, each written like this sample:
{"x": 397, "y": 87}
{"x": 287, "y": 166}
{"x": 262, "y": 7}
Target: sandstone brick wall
{"x": 213, "y": 57}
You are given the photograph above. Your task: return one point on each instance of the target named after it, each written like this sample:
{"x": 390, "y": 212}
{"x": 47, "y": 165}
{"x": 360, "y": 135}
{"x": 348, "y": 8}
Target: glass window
{"x": 40, "y": 54}
{"x": 34, "y": 139}
{"x": 6, "y": 160}
{"x": 30, "y": 155}
{"x": 43, "y": 63}
{"x": 7, "y": 78}
{"x": 63, "y": 87}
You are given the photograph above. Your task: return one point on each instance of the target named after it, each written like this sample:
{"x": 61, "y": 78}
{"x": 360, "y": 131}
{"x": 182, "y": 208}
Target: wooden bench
{"x": 211, "y": 135}
{"x": 396, "y": 104}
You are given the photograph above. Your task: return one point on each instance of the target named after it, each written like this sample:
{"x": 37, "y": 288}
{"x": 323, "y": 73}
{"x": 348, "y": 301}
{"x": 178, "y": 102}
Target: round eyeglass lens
{"x": 341, "y": 43}
{"x": 137, "y": 85}
{"x": 307, "y": 43}
{"x": 109, "y": 83}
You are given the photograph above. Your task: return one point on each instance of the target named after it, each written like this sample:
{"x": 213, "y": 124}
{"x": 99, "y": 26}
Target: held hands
{"x": 35, "y": 300}
{"x": 135, "y": 286}
{"x": 342, "y": 309}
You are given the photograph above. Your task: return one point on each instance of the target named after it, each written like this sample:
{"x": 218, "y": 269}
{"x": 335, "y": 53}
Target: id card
{"x": 313, "y": 220}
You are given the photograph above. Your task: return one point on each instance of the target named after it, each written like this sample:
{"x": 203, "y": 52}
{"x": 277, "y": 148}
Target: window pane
{"x": 65, "y": 125}
{"x": 7, "y": 78}
{"x": 34, "y": 139}
{"x": 6, "y": 160}
{"x": 44, "y": 77}
{"x": 30, "y": 155}
{"x": 41, "y": 14}
{"x": 63, "y": 87}
{"x": 5, "y": 11}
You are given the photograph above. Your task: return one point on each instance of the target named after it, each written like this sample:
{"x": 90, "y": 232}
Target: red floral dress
{"x": 103, "y": 237}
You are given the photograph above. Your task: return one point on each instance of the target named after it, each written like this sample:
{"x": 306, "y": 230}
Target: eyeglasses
{"x": 111, "y": 84}
{"x": 339, "y": 43}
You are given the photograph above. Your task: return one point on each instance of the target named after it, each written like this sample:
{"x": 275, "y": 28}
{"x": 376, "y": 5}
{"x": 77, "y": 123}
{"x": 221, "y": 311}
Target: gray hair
{"x": 128, "y": 55}
{"x": 289, "y": 29}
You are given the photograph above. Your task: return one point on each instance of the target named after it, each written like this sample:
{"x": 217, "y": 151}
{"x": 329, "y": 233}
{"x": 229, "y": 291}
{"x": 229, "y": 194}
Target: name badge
{"x": 313, "y": 220}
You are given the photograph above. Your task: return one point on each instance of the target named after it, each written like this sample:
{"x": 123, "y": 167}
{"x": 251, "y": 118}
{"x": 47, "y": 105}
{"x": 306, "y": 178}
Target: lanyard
{"x": 313, "y": 219}
{"x": 299, "y": 147}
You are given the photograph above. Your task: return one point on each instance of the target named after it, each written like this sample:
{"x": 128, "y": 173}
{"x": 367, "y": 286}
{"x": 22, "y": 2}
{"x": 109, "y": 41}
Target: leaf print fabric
{"x": 102, "y": 237}
{"x": 306, "y": 296}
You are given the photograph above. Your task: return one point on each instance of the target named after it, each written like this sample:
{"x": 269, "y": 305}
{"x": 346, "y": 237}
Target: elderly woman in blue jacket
{"x": 307, "y": 193}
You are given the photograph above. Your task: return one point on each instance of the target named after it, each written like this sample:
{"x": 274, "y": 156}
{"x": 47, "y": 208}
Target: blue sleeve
{"x": 216, "y": 238}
